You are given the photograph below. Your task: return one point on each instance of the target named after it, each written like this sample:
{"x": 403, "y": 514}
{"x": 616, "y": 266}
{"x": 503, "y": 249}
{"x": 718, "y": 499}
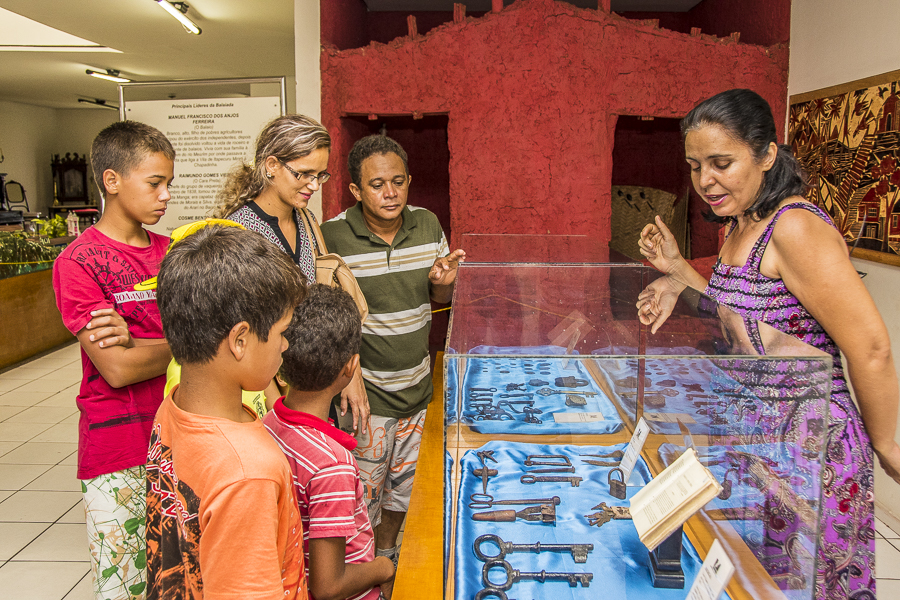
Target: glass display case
{"x": 547, "y": 372}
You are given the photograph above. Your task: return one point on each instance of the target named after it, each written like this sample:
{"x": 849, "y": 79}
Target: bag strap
{"x": 314, "y": 233}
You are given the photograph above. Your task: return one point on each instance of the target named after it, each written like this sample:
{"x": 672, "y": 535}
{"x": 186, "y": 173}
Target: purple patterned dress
{"x": 846, "y": 560}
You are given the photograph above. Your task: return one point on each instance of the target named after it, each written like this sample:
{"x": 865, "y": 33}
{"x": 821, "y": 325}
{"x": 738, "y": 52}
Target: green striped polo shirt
{"x": 394, "y": 279}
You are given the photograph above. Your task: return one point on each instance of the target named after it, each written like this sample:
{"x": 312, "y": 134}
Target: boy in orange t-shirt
{"x": 222, "y": 520}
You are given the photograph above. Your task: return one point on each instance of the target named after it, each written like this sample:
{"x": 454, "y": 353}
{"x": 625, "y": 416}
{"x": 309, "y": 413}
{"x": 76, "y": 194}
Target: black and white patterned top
{"x": 254, "y": 218}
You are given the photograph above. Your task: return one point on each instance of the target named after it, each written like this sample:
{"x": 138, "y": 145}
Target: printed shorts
{"x": 115, "y": 507}
{"x": 387, "y": 454}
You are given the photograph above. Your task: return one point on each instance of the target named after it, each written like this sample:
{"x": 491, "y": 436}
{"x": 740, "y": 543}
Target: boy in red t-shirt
{"x": 222, "y": 520}
{"x": 324, "y": 340}
{"x": 123, "y": 353}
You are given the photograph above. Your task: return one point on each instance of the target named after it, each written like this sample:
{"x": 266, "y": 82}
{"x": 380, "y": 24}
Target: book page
{"x": 660, "y": 481}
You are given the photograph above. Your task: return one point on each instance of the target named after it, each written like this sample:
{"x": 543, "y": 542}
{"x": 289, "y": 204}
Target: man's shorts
{"x": 387, "y": 454}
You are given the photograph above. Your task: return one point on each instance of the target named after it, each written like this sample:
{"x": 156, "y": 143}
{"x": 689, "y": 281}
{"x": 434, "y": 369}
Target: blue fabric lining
{"x": 619, "y": 561}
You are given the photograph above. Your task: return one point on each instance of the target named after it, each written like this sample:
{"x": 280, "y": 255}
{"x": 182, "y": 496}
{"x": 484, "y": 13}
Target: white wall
{"x": 307, "y": 68}
{"x": 26, "y": 137}
{"x": 76, "y": 129}
{"x": 833, "y": 42}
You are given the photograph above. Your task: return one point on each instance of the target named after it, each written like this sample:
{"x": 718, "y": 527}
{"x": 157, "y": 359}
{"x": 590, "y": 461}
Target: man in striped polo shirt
{"x": 401, "y": 261}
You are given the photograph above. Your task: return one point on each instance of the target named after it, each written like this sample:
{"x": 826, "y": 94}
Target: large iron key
{"x": 515, "y": 576}
{"x": 578, "y": 551}
{"x": 529, "y": 479}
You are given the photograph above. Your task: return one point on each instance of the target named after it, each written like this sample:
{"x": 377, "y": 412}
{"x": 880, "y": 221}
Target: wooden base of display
{"x": 31, "y": 321}
{"x": 665, "y": 562}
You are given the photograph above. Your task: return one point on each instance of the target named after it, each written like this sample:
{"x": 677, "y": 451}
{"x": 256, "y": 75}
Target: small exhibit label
{"x": 714, "y": 575}
{"x": 634, "y": 448}
{"x": 661, "y": 417}
{"x": 577, "y": 417}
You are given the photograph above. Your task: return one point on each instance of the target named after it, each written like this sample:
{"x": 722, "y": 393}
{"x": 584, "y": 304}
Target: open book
{"x": 672, "y": 498}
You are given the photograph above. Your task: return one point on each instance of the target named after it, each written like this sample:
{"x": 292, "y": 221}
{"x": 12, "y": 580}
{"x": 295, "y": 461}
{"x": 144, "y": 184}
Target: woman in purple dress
{"x": 785, "y": 264}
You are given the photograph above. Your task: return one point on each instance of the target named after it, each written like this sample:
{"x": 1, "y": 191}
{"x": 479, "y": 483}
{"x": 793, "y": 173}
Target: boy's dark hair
{"x": 123, "y": 145}
{"x": 747, "y": 117}
{"x": 323, "y": 335}
{"x": 369, "y": 146}
{"x": 217, "y": 277}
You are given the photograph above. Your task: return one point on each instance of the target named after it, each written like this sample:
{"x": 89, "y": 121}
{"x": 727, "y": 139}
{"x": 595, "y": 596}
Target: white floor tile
{"x": 46, "y": 385}
{"x": 83, "y": 591}
{"x": 7, "y": 385}
{"x": 8, "y": 446}
{"x": 61, "y": 432}
{"x": 30, "y": 581}
{"x": 72, "y": 459}
{"x": 885, "y": 531}
{"x": 18, "y": 375}
{"x": 887, "y": 560}
{"x": 888, "y": 589}
{"x": 20, "y": 398}
{"x": 15, "y": 536}
{"x": 63, "y": 398}
{"x": 34, "y": 372}
{"x": 75, "y": 515}
{"x": 52, "y": 362}
{"x": 39, "y": 453}
{"x": 60, "y": 478}
{"x": 73, "y": 418}
{"x": 21, "y": 432}
{"x": 62, "y": 542}
{"x": 8, "y": 411}
{"x": 37, "y": 507}
{"x": 43, "y": 414}
{"x": 15, "y": 477}
{"x": 4, "y": 494}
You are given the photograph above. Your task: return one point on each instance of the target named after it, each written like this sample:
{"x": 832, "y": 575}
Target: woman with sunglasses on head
{"x": 270, "y": 197}
{"x": 784, "y": 263}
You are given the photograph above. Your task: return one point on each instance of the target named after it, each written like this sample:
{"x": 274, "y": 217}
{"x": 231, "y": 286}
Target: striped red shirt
{"x": 326, "y": 479}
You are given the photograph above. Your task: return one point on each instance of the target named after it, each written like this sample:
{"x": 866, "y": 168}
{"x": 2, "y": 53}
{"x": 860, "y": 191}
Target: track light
{"x": 97, "y": 102}
{"x": 179, "y": 10}
{"x": 108, "y": 75}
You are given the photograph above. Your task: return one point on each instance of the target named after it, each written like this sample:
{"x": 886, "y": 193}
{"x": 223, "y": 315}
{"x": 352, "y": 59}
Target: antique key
{"x": 545, "y": 513}
{"x": 579, "y": 551}
{"x": 529, "y": 479}
{"x": 549, "y": 392}
{"x": 607, "y": 514}
{"x": 515, "y": 576}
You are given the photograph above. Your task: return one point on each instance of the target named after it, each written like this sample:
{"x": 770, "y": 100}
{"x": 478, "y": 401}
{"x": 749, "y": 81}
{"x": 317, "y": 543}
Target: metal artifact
{"x": 618, "y": 454}
{"x": 578, "y": 551}
{"x": 575, "y": 400}
{"x": 607, "y": 514}
{"x": 530, "y": 411}
{"x": 544, "y": 513}
{"x": 484, "y": 472}
{"x": 549, "y": 392}
{"x": 537, "y": 382}
{"x": 515, "y": 576}
{"x": 547, "y": 460}
{"x": 570, "y": 382}
{"x": 529, "y": 479}
{"x": 617, "y": 487}
{"x": 482, "y": 501}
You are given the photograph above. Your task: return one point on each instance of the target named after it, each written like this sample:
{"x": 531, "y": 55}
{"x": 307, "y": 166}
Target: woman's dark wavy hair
{"x": 747, "y": 117}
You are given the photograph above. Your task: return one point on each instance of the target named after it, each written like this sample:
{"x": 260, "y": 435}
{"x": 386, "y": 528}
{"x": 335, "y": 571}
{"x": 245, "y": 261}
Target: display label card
{"x": 714, "y": 575}
{"x": 634, "y": 448}
{"x": 577, "y": 417}
{"x": 661, "y": 417}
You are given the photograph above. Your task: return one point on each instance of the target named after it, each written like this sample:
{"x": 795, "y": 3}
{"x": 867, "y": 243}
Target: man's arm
{"x": 330, "y": 578}
{"x": 443, "y": 275}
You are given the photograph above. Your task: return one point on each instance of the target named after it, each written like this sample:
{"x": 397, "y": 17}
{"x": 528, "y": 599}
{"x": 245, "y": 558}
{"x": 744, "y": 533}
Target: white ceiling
{"x": 241, "y": 38}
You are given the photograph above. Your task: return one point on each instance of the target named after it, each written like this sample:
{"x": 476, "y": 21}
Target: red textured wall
{"x": 532, "y": 95}
{"x": 343, "y": 23}
{"x": 763, "y": 22}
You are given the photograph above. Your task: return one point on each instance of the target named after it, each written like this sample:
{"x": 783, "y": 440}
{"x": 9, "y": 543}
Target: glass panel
{"x": 516, "y": 248}
{"x": 552, "y": 360}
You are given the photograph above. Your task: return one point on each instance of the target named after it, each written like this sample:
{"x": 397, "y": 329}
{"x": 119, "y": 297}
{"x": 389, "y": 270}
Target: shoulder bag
{"x": 331, "y": 268}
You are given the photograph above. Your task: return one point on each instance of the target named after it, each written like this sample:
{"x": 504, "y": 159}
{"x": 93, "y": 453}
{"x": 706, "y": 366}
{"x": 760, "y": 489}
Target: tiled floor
{"x": 43, "y": 543}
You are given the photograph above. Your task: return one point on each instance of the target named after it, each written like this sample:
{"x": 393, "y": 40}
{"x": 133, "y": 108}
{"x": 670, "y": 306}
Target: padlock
{"x": 725, "y": 494}
{"x": 617, "y": 486}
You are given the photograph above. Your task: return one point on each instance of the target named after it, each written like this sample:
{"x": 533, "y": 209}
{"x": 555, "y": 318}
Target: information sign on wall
{"x": 210, "y": 137}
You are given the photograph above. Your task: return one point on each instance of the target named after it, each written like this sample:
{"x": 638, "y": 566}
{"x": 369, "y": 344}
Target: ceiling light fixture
{"x": 98, "y": 102}
{"x": 179, "y": 10}
{"x": 108, "y": 75}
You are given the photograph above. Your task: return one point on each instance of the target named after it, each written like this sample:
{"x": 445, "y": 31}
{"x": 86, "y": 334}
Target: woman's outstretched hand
{"x": 656, "y": 302}
{"x": 658, "y": 245}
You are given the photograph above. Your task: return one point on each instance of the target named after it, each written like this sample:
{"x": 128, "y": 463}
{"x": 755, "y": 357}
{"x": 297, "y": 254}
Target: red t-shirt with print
{"x": 95, "y": 272}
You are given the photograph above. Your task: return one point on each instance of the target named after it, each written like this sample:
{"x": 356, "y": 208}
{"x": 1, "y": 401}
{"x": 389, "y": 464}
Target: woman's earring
{"x": 269, "y": 175}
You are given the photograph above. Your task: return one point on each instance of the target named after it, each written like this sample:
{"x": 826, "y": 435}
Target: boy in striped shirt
{"x": 323, "y": 354}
